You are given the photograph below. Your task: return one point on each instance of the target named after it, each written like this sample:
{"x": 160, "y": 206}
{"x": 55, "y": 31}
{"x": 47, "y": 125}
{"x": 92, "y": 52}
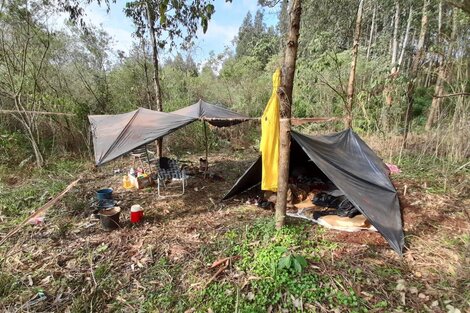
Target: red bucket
{"x": 136, "y": 213}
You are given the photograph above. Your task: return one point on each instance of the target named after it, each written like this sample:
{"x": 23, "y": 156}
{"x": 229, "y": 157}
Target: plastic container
{"x": 126, "y": 182}
{"x": 104, "y": 194}
{"x": 105, "y": 198}
{"x": 110, "y": 218}
{"x": 137, "y": 213}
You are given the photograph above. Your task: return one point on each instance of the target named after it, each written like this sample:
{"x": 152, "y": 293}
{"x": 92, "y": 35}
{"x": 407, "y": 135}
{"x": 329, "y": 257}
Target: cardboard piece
{"x": 140, "y": 182}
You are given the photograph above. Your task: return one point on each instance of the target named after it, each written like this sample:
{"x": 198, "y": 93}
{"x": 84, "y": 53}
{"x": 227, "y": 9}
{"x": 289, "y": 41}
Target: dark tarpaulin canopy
{"x": 213, "y": 114}
{"x": 115, "y": 135}
{"x": 355, "y": 169}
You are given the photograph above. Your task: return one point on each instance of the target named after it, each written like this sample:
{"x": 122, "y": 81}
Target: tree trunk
{"x": 371, "y": 34}
{"x": 156, "y": 79}
{"x": 285, "y": 95}
{"x": 405, "y": 39}
{"x": 442, "y": 73}
{"x": 352, "y": 73}
{"x": 437, "y": 97}
{"x": 414, "y": 70}
{"x": 28, "y": 124}
{"x": 147, "y": 88}
{"x": 396, "y": 67}
{"x": 395, "y": 37}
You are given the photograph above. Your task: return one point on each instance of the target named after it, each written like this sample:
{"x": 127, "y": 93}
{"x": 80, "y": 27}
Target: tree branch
{"x": 452, "y": 95}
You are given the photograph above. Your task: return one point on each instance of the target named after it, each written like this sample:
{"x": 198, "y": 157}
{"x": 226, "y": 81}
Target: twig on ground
{"x": 90, "y": 260}
{"x": 226, "y": 261}
{"x": 220, "y": 270}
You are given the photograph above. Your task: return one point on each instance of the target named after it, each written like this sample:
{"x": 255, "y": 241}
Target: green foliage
{"x": 16, "y": 202}
{"x": 19, "y": 200}
{"x": 8, "y": 284}
{"x": 292, "y": 262}
{"x": 255, "y": 40}
{"x": 436, "y": 175}
{"x": 77, "y": 71}
{"x": 174, "y": 23}
{"x": 14, "y": 147}
{"x": 281, "y": 274}
{"x": 422, "y": 101}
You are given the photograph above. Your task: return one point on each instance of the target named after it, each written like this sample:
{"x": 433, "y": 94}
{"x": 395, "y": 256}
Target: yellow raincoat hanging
{"x": 269, "y": 145}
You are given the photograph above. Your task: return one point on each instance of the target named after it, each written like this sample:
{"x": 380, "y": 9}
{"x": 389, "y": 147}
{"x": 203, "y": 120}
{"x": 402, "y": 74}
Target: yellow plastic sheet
{"x": 269, "y": 145}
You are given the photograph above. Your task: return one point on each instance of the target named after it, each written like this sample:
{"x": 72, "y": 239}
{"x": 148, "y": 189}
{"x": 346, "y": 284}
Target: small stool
{"x": 141, "y": 155}
{"x": 137, "y": 157}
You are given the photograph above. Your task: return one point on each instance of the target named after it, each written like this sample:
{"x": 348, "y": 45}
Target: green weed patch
{"x": 279, "y": 271}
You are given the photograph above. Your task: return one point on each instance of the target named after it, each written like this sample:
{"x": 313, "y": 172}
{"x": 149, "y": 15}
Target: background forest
{"x": 75, "y": 71}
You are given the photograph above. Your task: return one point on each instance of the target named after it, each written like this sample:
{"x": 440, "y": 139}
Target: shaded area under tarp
{"x": 116, "y": 135}
{"x": 346, "y": 160}
{"x": 213, "y": 114}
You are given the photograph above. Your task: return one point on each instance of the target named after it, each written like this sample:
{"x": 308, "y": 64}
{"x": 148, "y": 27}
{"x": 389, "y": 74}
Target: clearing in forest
{"x": 69, "y": 264}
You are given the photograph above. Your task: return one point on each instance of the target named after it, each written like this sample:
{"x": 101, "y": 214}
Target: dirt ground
{"x": 63, "y": 256}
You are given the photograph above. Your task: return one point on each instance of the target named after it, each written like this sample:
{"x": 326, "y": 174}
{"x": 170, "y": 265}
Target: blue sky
{"x": 222, "y": 27}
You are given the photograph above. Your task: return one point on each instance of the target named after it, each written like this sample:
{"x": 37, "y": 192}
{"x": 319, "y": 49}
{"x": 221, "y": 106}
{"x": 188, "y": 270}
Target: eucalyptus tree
{"x": 168, "y": 24}
{"x": 352, "y": 74}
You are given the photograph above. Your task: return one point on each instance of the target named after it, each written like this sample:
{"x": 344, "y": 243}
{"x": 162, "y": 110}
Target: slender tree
{"x": 464, "y": 5}
{"x": 352, "y": 73}
{"x": 414, "y": 70}
{"x": 405, "y": 39}
{"x": 396, "y": 24}
{"x": 178, "y": 20}
{"x": 371, "y": 33}
{"x": 285, "y": 95}
{"x": 396, "y": 65}
{"x": 445, "y": 59}
{"x": 143, "y": 46}
{"x": 24, "y": 53}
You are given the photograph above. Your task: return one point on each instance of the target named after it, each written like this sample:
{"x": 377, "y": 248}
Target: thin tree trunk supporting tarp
{"x": 285, "y": 96}
{"x": 156, "y": 75}
{"x": 346, "y": 160}
{"x": 206, "y": 142}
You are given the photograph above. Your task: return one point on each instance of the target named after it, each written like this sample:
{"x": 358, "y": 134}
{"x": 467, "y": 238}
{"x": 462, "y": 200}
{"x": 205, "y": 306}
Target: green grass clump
{"x": 36, "y": 187}
{"x": 8, "y": 285}
{"x": 438, "y": 176}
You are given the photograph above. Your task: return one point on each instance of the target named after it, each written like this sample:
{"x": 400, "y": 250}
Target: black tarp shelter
{"x": 346, "y": 160}
{"x": 116, "y": 135}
